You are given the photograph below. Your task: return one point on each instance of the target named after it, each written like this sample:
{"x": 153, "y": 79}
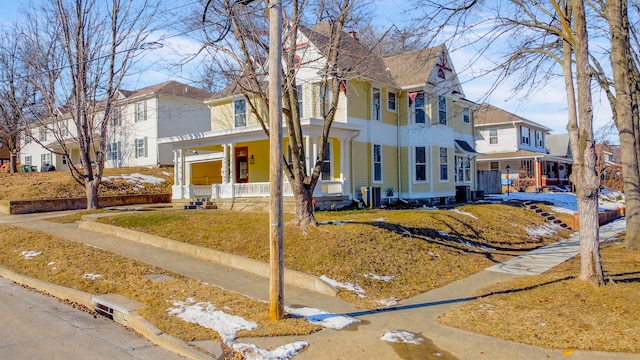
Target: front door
{"x": 242, "y": 165}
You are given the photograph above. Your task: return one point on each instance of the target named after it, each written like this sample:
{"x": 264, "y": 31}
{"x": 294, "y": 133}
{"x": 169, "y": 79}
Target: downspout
{"x": 398, "y": 149}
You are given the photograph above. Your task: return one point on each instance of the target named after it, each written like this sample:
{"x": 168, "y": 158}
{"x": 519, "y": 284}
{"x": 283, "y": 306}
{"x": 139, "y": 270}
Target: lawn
{"x": 389, "y": 255}
{"x": 556, "y": 310}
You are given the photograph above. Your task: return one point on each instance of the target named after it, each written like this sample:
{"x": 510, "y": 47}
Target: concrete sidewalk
{"x": 361, "y": 341}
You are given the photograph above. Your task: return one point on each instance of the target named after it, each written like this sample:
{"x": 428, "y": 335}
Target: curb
{"x": 292, "y": 277}
{"x": 135, "y": 321}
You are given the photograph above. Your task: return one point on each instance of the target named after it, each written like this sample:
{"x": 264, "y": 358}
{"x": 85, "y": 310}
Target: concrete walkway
{"x": 361, "y": 341}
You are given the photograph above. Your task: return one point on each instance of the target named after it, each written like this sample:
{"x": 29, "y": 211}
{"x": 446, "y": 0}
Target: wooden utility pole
{"x": 276, "y": 229}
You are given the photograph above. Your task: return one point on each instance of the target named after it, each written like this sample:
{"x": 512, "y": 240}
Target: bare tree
{"x": 16, "y": 94}
{"x": 80, "y": 52}
{"x": 240, "y": 45}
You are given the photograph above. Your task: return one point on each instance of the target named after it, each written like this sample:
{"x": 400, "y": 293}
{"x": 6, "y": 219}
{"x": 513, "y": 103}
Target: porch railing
{"x": 228, "y": 191}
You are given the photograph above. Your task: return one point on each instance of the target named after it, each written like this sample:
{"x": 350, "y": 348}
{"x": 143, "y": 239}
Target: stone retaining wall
{"x": 47, "y": 205}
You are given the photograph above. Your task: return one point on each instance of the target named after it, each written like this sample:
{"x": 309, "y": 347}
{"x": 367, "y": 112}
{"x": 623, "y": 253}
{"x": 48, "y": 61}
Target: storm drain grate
{"x": 115, "y": 307}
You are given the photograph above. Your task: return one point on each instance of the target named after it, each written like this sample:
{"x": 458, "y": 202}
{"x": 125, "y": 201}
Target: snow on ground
{"x": 30, "y": 254}
{"x": 348, "y": 286}
{"x": 607, "y": 200}
{"x": 456, "y": 210}
{"x": 388, "y": 303}
{"x": 323, "y": 317}
{"x": 136, "y": 178}
{"x": 543, "y": 230}
{"x": 379, "y": 277}
{"x": 399, "y": 336}
{"x": 205, "y": 314}
{"x": 91, "y": 276}
{"x": 284, "y": 352}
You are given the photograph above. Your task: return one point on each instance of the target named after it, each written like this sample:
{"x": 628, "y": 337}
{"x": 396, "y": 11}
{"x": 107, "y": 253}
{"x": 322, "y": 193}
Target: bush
{"x": 522, "y": 184}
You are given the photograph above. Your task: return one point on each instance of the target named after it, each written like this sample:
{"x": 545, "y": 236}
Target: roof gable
{"x": 488, "y": 114}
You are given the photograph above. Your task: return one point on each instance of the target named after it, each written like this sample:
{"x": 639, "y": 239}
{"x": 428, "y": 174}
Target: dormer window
{"x": 442, "y": 110}
{"x": 417, "y": 104}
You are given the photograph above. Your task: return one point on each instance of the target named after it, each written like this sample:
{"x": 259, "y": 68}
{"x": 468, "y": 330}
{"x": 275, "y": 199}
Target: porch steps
{"x": 195, "y": 204}
{"x": 533, "y": 207}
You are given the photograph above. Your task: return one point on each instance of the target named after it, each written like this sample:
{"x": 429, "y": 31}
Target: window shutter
{"x": 135, "y": 148}
{"x": 145, "y": 147}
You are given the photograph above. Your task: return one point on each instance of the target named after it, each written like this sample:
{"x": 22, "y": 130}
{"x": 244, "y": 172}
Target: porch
{"x": 324, "y": 188}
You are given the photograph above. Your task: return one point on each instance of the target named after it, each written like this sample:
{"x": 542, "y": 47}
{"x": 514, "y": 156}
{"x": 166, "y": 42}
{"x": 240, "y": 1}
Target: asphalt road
{"x": 35, "y": 326}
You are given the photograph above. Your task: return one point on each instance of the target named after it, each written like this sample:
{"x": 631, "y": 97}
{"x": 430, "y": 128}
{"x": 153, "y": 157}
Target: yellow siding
{"x": 389, "y": 168}
{"x": 358, "y": 99}
{"x": 403, "y": 109}
{"x": 361, "y": 157}
{"x": 388, "y": 117}
{"x": 222, "y": 116}
{"x": 259, "y": 171}
{"x": 439, "y": 185}
{"x": 206, "y": 173}
{"x": 335, "y": 152}
{"x": 404, "y": 168}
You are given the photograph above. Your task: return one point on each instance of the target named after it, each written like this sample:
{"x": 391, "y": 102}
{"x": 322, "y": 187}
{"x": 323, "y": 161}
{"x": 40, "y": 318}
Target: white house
{"x": 139, "y": 119}
{"x": 520, "y": 149}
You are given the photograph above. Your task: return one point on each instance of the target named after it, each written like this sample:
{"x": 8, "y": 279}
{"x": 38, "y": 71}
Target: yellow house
{"x": 403, "y": 132}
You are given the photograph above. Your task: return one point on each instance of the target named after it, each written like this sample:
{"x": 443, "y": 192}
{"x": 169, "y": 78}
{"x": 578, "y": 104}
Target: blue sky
{"x": 547, "y": 106}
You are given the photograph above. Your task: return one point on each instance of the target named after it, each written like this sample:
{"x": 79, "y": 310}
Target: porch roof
{"x": 522, "y": 155}
{"x": 254, "y": 133}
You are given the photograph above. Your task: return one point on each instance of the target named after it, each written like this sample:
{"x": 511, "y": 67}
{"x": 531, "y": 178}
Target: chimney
{"x": 354, "y": 34}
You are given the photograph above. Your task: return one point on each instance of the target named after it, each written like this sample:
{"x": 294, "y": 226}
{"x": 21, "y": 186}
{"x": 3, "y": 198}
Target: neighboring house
{"x": 609, "y": 166}
{"x": 534, "y": 157}
{"x": 5, "y": 155}
{"x": 402, "y": 130}
{"x": 139, "y": 118}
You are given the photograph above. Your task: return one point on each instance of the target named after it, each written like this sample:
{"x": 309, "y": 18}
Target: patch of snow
{"x": 166, "y": 173}
{"x": 561, "y": 210}
{"x": 464, "y": 213}
{"x": 431, "y": 253}
{"x": 442, "y": 233}
{"x": 333, "y": 222}
{"x": 136, "y": 178}
{"x": 348, "y": 286}
{"x": 284, "y": 352}
{"x": 91, "y": 276}
{"x": 399, "y": 336}
{"x": 429, "y": 208}
{"x": 93, "y": 246}
{"x": 323, "y": 317}
{"x": 387, "y": 303}
{"x": 379, "y": 277}
{"x": 51, "y": 263}
{"x": 543, "y": 230}
{"x": 568, "y": 201}
{"x": 30, "y": 254}
{"x": 381, "y": 219}
{"x": 205, "y": 314}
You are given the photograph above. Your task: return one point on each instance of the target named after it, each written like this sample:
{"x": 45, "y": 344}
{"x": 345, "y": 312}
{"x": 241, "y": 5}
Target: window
{"x": 113, "y": 151}
{"x": 115, "y": 116}
{"x": 391, "y": 101}
{"x": 494, "y": 165}
{"x": 418, "y": 108}
{"x": 240, "y": 113}
{"x": 526, "y": 168}
{"x": 421, "y": 163}
{"x": 324, "y": 98}
{"x": 326, "y": 164}
{"x": 64, "y": 129}
{"x": 141, "y": 147}
{"x": 539, "y": 139}
{"x": 42, "y": 133}
{"x": 466, "y": 117}
{"x": 27, "y": 160}
{"x": 493, "y": 136}
{"x": 27, "y": 139}
{"x": 442, "y": 110}
{"x": 375, "y": 111}
{"x": 444, "y": 164}
{"x": 141, "y": 111}
{"x": 524, "y": 135}
{"x": 463, "y": 169}
{"x": 45, "y": 159}
{"x": 299, "y": 95}
{"x": 377, "y": 163}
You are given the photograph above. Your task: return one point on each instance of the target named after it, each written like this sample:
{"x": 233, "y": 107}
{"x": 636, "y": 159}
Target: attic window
{"x": 441, "y": 74}
{"x": 296, "y": 60}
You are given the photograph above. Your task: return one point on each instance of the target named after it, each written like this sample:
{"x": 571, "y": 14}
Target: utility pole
{"x": 276, "y": 226}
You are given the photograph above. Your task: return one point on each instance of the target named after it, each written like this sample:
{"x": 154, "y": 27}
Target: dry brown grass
{"x": 556, "y": 310}
{"x": 421, "y": 249}
{"x": 60, "y": 184}
{"x": 127, "y": 277}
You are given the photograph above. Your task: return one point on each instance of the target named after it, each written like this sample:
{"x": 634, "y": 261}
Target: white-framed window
{"x": 526, "y": 168}
{"x": 300, "y": 95}
{"x": 113, "y": 151}
{"x": 141, "y": 147}
{"x": 420, "y": 160}
{"x": 64, "y": 128}
{"x": 240, "y": 113}
{"x": 466, "y": 115}
{"x": 524, "y": 135}
{"x": 392, "y": 101}
{"x": 493, "y": 136}
{"x": 45, "y": 159}
{"x": 376, "y": 113}
{"x": 444, "y": 164}
{"x": 324, "y": 97}
{"x": 326, "y": 164}
{"x": 539, "y": 139}
{"x": 418, "y": 107}
{"x": 141, "y": 111}
{"x": 115, "y": 116}
{"x": 28, "y": 160}
{"x": 463, "y": 169}
{"x": 494, "y": 165}
{"x": 42, "y": 133}
{"x": 27, "y": 139}
{"x": 377, "y": 163}
{"x": 442, "y": 110}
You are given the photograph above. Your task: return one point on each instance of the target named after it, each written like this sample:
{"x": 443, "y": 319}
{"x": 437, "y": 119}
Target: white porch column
{"x": 225, "y": 164}
{"x": 183, "y": 180}
{"x": 344, "y": 165}
{"x": 307, "y": 152}
{"x": 175, "y": 167}
{"x": 232, "y": 164}
{"x": 314, "y": 154}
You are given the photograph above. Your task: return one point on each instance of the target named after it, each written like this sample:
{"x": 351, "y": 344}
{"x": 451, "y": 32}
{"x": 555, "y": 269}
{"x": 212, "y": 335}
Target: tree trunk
{"x": 586, "y": 177}
{"x": 91, "y": 189}
{"x": 622, "y": 65}
{"x": 303, "y": 195}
